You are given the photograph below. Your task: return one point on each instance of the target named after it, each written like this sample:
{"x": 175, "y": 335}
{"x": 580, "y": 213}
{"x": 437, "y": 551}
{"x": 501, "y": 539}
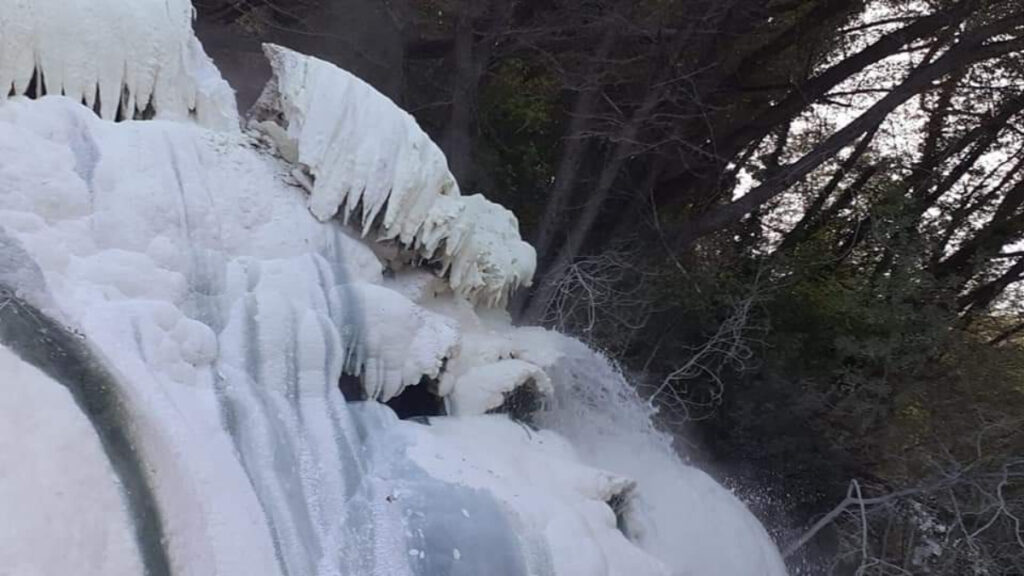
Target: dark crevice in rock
{"x": 352, "y": 388}
{"x": 522, "y": 403}
{"x": 419, "y": 402}
{"x": 621, "y": 504}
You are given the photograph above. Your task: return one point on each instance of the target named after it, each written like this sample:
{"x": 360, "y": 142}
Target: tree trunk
{"x": 818, "y": 86}
{"x": 471, "y": 61}
{"x": 595, "y": 202}
{"x": 572, "y": 153}
{"x": 972, "y": 48}
{"x": 813, "y": 217}
{"x": 458, "y": 141}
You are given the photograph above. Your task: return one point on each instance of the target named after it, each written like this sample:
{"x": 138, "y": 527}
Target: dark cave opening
{"x": 620, "y": 503}
{"x": 414, "y": 403}
{"x": 521, "y": 403}
{"x": 418, "y": 402}
{"x": 351, "y": 388}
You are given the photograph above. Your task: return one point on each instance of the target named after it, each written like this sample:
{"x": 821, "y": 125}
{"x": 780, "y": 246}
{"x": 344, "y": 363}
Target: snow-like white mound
{"x": 397, "y": 181}
{"x": 538, "y": 475}
{"x": 119, "y": 57}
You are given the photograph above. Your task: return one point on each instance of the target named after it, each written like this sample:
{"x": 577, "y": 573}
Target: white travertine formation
{"x": 367, "y": 158}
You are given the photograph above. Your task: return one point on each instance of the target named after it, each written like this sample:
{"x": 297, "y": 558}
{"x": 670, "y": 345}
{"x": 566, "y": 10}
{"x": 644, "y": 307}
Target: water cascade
{"x": 183, "y": 300}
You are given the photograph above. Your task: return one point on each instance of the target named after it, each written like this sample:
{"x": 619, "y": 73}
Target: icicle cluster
{"x": 396, "y": 183}
{"x": 130, "y": 59}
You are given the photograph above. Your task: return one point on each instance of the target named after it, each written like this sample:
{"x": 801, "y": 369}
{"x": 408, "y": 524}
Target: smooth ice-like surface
{"x": 538, "y": 476}
{"x": 319, "y": 116}
{"x": 113, "y": 54}
{"x": 50, "y": 459}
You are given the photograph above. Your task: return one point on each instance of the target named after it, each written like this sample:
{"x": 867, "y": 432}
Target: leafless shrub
{"x": 965, "y": 518}
{"x": 605, "y": 290}
{"x": 694, "y": 389}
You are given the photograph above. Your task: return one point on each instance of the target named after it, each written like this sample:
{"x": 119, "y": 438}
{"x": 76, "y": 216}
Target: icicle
{"x": 142, "y": 52}
{"x": 361, "y": 149}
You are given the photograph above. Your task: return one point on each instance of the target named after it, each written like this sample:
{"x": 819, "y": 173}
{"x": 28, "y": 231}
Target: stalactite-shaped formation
{"x": 396, "y": 183}
{"x": 125, "y": 60}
